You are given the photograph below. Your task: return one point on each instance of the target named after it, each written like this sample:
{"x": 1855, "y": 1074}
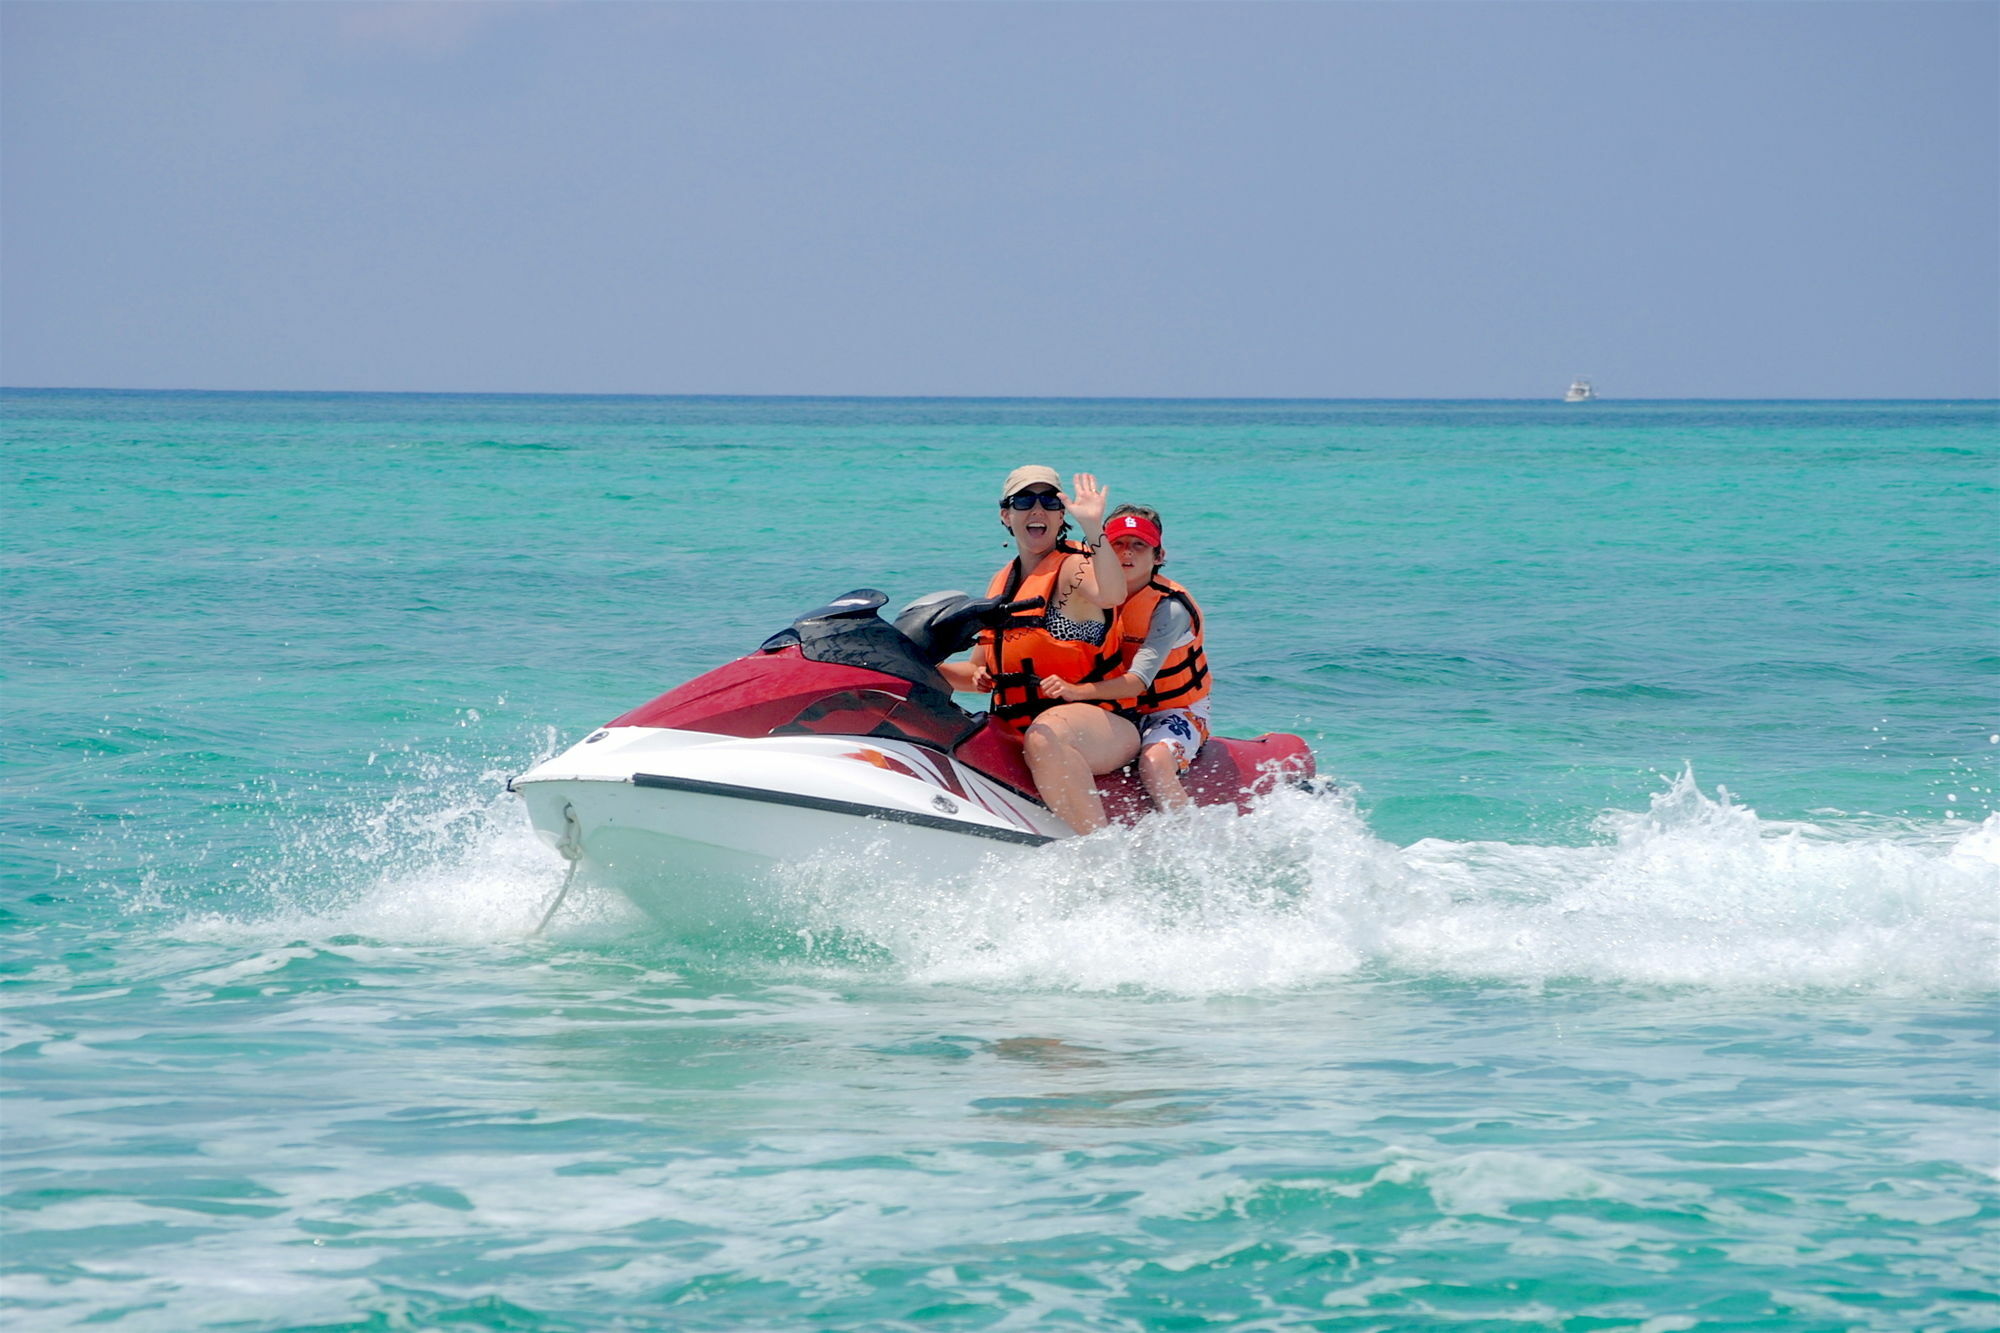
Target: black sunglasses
{"x": 1027, "y": 499}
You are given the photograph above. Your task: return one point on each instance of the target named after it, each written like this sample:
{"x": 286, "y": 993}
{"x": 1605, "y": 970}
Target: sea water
{"x": 1640, "y": 973}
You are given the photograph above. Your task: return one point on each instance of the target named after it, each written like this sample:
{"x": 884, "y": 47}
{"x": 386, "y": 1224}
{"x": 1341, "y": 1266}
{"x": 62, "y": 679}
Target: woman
{"x": 1057, "y": 644}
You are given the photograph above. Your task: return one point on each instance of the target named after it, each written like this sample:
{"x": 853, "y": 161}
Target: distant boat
{"x": 1579, "y": 392}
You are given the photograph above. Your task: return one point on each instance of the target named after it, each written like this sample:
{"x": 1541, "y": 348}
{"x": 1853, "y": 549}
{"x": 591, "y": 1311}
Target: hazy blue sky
{"x": 1230, "y": 199}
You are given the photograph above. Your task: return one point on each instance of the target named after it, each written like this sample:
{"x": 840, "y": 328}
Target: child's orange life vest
{"x": 1183, "y": 676}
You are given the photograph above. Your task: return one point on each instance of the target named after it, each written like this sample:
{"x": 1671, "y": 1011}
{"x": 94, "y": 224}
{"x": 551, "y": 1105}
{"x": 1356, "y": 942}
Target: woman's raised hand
{"x": 1087, "y": 503}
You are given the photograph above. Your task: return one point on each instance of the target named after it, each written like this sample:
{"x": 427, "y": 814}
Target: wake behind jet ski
{"x": 836, "y": 736}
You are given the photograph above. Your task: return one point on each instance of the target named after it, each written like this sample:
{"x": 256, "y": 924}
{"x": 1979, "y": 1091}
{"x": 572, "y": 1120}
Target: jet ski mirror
{"x": 860, "y": 602}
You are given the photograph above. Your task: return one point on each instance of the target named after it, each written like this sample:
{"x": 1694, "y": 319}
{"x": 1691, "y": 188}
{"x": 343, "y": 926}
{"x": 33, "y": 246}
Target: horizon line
{"x": 948, "y": 397}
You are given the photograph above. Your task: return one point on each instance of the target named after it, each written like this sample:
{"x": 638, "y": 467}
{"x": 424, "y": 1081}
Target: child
{"x": 1156, "y": 675}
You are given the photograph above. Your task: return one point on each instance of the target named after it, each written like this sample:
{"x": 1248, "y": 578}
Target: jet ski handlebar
{"x": 990, "y": 612}
{"x": 1006, "y": 609}
{"x": 944, "y": 623}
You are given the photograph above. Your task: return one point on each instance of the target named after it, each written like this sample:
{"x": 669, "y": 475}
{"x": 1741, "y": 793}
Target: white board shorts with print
{"x": 1186, "y": 729}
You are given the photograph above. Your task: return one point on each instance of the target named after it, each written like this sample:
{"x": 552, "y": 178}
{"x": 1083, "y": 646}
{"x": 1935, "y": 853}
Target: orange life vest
{"x": 1183, "y": 676}
{"x": 1022, "y": 651}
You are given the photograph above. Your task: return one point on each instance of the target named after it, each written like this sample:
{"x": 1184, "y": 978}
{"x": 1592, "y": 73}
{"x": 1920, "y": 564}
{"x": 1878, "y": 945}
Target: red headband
{"x": 1134, "y": 525}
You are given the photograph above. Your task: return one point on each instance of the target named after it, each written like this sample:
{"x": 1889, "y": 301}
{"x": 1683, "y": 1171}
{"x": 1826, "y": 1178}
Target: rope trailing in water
{"x": 571, "y": 848}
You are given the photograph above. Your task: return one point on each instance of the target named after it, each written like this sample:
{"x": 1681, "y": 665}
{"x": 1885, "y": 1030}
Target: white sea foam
{"x": 1697, "y": 890}
{"x": 1484, "y": 1183}
{"x": 451, "y": 862}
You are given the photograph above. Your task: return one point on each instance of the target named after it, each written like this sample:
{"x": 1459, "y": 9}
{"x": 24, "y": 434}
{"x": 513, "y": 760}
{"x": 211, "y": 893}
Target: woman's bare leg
{"x": 1067, "y": 747}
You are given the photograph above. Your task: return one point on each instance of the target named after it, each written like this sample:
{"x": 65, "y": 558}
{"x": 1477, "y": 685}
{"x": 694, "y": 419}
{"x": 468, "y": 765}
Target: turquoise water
{"x": 1642, "y": 976}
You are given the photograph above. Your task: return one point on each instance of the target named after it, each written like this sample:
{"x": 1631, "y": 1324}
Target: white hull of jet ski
{"x": 691, "y": 825}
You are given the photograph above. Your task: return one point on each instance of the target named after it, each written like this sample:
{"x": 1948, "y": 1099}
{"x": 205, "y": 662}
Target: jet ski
{"x": 836, "y": 737}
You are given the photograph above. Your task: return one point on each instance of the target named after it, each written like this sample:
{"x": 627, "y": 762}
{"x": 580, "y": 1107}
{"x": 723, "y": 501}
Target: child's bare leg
{"x": 1160, "y": 771}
